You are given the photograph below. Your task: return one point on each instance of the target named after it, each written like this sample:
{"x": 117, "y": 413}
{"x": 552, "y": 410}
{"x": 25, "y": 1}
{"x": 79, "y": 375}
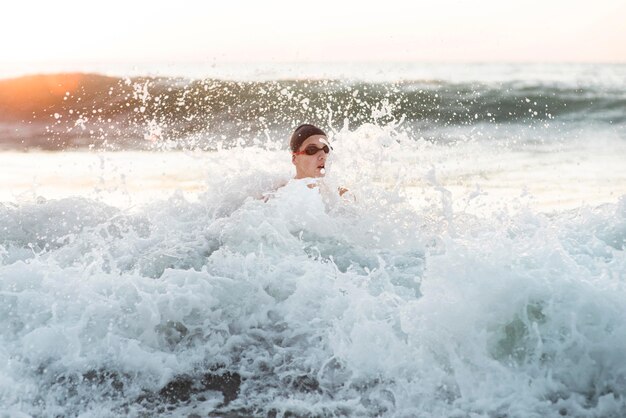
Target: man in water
{"x": 309, "y": 151}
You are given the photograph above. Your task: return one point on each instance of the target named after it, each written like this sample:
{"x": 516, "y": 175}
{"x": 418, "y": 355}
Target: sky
{"x": 76, "y": 33}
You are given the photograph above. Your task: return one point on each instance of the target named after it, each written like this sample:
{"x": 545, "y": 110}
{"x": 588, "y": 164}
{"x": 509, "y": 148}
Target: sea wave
{"x": 80, "y": 110}
{"x": 305, "y": 303}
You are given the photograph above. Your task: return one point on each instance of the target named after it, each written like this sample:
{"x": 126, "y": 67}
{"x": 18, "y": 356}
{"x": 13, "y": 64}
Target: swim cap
{"x": 301, "y": 134}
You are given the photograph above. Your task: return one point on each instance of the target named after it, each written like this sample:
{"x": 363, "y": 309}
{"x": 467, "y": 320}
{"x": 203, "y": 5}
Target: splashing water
{"x": 405, "y": 297}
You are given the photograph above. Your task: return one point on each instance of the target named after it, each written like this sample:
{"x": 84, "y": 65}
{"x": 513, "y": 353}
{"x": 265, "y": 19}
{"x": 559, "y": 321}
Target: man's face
{"x": 311, "y": 165}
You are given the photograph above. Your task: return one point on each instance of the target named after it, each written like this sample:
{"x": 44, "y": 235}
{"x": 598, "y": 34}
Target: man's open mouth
{"x": 320, "y": 166}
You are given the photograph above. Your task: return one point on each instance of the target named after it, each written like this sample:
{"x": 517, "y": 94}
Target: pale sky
{"x": 78, "y": 32}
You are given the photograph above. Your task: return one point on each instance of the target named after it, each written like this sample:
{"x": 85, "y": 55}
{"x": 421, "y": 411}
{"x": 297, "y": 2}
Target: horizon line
{"x": 144, "y": 70}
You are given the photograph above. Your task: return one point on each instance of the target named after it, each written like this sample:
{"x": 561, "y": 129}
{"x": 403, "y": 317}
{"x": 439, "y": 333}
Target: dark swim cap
{"x": 301, "y": 134}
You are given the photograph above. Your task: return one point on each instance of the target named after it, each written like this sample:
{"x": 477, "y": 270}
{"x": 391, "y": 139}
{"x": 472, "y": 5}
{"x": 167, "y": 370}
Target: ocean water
{"x": 476, "y": 268}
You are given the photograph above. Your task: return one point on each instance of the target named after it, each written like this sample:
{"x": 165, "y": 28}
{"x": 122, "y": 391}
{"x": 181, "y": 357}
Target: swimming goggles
{"x": 312, "y": 150}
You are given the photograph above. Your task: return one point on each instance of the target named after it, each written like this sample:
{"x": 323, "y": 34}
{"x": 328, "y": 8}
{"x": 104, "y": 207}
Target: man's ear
{"x": 293, "y": 158}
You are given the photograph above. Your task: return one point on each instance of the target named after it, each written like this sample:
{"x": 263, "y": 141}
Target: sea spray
{"x": 434, "y": 287}
{"x": 312, "y": 304}
{"x": 519, "y": 104}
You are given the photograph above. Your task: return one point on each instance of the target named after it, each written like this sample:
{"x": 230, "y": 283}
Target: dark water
{"x": 87, "y": 110}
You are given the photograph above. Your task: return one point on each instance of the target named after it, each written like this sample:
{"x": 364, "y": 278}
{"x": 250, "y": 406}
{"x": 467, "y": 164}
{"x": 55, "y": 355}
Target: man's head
{"x": 309, "y": 148}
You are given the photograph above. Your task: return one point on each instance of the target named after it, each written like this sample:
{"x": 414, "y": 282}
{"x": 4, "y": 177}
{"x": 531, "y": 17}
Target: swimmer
{"x": 309, "y": 151}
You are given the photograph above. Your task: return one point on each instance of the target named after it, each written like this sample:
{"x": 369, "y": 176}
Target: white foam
{"x": 377, "y": 305}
